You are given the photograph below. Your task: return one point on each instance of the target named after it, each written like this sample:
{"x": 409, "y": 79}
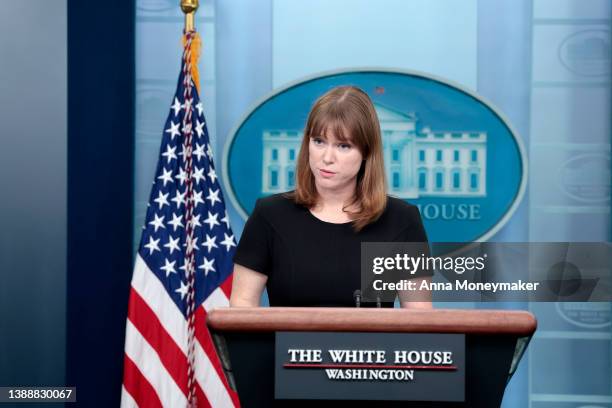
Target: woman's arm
{"x": 416, "y": 299}
{"x": 247, "y": 287}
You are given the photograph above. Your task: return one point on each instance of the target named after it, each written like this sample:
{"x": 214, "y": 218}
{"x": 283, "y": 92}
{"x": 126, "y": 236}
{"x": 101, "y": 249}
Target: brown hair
{"x": 348, "y": 112}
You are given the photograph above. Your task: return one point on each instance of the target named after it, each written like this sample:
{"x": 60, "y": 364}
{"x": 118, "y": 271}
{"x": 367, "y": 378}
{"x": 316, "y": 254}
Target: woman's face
{"x": 334, "y": 163}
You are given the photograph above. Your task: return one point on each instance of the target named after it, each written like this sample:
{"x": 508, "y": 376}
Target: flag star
{"x": 182, "y": 152}
{"x": 176, "y": 221}
{"x": 191, "y": 244}
{"x": 207, "y": 266}
{"x": 225, "y": 220}
{"x": 185, "y": 267}
{"x": 152, "y": 246}
{"x": 170, "y": 153}
{"x": 179, "y": 198}
{"x": 200, "y": 108}
{"x": 168, "y": 267}
{"x": 199, "y": 128}
{"x": 182, "y": 290}
{"x": 198, "y": 174}
{"x": 172, "y": 244}
{"x": 186, "y": 128}
{"x": 210, "y": 243}
{"x": 209, "y": 151}
{"x": 197, "y": 198}
{"x": 182, "y": 176}
{"x": 212, "y": 220}
{"x": 213, "y": 196}
{"x": 173, "y": 130}
{"x": 228, "y": 241}
{"x": 162, "y": 199}
{"x": 166, "y": 177}
{"x": 176, "y": 106}
{"x": 158, "y": 222}
{"x": 187, "y": 105}
{"x": 212, "y": 174}
{"x": 199, "y": 151}
{"x": 195, "y": 221}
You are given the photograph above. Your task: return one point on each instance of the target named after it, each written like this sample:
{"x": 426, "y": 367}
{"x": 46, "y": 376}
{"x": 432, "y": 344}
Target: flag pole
{"x": 189, "y": 7}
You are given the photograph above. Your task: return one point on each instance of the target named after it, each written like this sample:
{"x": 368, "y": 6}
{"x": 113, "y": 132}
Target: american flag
{"x": 183, "y": 267}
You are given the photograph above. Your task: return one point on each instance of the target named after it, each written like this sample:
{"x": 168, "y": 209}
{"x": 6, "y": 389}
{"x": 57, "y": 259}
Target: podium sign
{"x": 370, "y": 366}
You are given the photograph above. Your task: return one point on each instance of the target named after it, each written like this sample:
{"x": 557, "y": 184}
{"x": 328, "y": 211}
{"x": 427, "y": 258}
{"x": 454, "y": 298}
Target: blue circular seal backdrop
{"x": 446, "y": 150}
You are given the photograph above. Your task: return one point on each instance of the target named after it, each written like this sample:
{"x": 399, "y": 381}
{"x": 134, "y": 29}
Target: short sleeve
{"x": 414, "y": 231}
{"x": 253, "y": 250}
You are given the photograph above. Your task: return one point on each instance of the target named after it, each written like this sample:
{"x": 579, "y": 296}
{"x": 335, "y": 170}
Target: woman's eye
{"x": 317, "y": 141}
{"x": 344, "y": 146}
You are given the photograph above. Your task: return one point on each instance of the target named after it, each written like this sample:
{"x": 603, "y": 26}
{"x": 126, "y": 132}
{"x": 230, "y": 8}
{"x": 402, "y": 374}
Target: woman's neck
{"x": 331, "y": 204}
{"x": 338, "y": 197}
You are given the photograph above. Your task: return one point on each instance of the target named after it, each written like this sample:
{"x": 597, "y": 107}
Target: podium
{"x": 493, "y": 342}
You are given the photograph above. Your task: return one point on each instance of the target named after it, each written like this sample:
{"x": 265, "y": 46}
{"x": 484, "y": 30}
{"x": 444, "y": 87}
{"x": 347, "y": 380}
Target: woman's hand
{"x": 416, "y": 299}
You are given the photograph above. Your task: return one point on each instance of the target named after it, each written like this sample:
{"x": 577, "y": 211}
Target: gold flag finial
{"x": 189, "y": 7}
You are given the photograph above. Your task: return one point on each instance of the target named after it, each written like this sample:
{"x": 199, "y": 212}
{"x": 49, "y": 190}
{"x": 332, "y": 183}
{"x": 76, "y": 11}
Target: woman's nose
{"x": 328, "y": 155}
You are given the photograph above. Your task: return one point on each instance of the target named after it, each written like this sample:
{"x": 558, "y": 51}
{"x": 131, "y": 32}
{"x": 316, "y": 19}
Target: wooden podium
{"x": 495, "y": 340}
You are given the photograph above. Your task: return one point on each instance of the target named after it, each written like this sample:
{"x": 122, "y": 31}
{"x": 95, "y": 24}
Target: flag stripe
{"x": 127, "y": 401}
{"x": 226, "y": 286}
{"x": 155, "y": 295}
{"x": 136, "y": 385}
{"x": 202, "y": 400}
{"x": 208, "y": 378}
{"x": 216, "y": 299}
{"x": 147, "y": 323}
{"x": 148, "y": 363}
{"x": 205, "y": 340}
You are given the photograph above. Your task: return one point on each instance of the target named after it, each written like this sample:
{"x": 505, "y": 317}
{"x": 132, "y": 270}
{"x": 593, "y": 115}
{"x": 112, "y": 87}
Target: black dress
{"x": 310, "y": 262}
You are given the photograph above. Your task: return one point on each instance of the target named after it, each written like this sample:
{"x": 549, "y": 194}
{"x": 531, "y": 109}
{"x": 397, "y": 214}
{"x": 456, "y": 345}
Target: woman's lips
{"x": 326, "y": 173}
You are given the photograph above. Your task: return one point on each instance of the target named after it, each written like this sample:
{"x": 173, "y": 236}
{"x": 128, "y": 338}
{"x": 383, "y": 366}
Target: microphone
{"x": 378, "y": 305}
{"x": 357, "y": 297}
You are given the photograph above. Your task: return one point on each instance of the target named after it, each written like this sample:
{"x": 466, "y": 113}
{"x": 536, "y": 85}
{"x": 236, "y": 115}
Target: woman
{"x": 305, "y": 245}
